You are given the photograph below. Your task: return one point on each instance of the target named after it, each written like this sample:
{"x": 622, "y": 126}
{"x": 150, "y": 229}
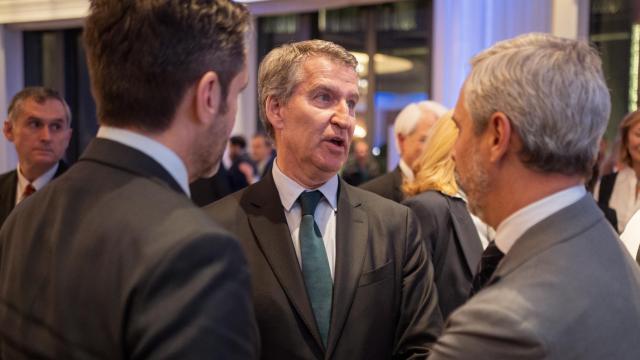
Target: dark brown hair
{"x": 144, "y": 54}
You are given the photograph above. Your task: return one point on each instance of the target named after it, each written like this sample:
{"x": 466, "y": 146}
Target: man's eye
{"x": 351, "y": 104}
{"x": 324, "y": 97}
{"x": 34, "y": 124}
{"x": 56, "y": 127}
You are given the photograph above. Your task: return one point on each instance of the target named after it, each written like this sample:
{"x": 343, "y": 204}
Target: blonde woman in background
{"x": 448, "y": 229}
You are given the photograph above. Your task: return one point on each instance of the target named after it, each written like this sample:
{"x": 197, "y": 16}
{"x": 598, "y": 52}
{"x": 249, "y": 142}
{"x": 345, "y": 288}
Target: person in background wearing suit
{"x": 411, "y": 129}
{"x": 556, "y": 283}
{"x": 447, "y": 227}
{"x": 112, "y": 260}
{"x": 39, "y": 125}
{"x": 338, "y": 272}
{"x": 262, "y": 154}
{"x": 362, "y": 167}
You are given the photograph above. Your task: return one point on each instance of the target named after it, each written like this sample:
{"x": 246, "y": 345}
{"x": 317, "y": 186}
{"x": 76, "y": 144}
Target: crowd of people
{"x": 483, "y": 243}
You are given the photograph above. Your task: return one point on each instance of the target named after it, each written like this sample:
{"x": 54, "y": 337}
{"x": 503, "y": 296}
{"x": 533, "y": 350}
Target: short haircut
{"x": 238, "y": 140}
{"x": 266, "y": 138}
{"x": 553, "y": 92}
{"x": 39, "y": 94}
{"x": 407, "y": 120}
{"x": 434, "y": 169}
{"x": 280, "y": 71}
{"x": 144, "y": 55}
{"x": 627, "y": 123}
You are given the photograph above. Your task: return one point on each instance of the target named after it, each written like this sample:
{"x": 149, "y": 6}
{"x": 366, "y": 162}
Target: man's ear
{"x": 274, "y": 112}
{"x": 500, "y": 134}
{"x": 8, "y": 130}
{"x": 208, "y": 97}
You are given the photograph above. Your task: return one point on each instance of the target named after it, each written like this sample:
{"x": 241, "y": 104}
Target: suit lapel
{"x": 397, "y": 184}
{"x": 117, "y": 155}
{"x": 9, "y": 185}
{"x": 467, "y": 235}
{"x": 351, "y": 245}
{"x": 269, "y": 225}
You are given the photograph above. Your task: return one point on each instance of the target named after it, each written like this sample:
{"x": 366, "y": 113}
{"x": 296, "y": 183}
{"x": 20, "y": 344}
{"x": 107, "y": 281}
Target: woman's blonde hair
{"x": 434, "y": 169}
{"x": 629, "y": 121}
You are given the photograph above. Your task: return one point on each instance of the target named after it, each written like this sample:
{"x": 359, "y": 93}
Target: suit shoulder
{"x": 428, "y": 199}
{"x": 9, "y": 175}
{"x": 225, "y": 211}
{"x": 381, "y": 184}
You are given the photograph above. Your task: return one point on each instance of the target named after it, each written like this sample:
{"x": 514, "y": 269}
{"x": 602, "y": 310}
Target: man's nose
{"x": 45, "y": 134}
{"x": 342, "y": 116}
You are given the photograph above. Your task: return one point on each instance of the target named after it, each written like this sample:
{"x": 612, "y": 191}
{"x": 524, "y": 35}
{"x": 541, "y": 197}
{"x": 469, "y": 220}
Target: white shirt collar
{"x": 164, "y": 156}
{"x": 406, "y": 171}
{"x": 38, "y": 183}
{"x": 512, "y": 228}
{"x": 289, "y": 190}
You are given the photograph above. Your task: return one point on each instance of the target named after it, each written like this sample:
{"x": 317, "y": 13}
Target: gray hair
{"x": 554, "y": 93}
{"x": 280, "y": 71}
{"x": 407, "y": 119}
{"x": 39, "y": 94}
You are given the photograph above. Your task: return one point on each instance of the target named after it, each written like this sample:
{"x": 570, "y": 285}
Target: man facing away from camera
{"x": 556, "y": 283}
{"x": 112, "y": 260}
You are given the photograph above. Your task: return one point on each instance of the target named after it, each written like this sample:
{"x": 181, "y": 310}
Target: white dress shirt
{"x": 164, "y": 156}
{"x": 37, "y": 184}
{"x": 512, "y": 228}
{"x": 407, "y": 173}
{"x": 325, "y": 215}
{"x": 623, "y": 197}
{"x": 631, "y": 235}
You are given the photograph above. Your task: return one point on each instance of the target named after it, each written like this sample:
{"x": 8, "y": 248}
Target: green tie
{"x": 315, "y": 266}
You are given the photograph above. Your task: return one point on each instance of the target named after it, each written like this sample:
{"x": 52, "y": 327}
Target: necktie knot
{"x": 309, "y": 201}
{"x": 28, "y": 190}
{"x": 491, "y": 257}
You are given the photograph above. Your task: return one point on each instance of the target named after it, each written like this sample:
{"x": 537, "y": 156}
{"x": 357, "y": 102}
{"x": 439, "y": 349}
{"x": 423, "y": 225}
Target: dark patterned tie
{"x": 491, "y": 257}
{"x": 315, "y": 265}
{"x": 28, "y": 190}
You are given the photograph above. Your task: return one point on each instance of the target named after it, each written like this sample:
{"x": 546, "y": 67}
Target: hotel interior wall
{"x": 461, "y": 29}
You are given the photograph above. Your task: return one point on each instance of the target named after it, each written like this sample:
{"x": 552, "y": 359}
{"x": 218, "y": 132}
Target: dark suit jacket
{"x": 120, "y": 265}
{"x": 452, "y": 238}
{"x": 388, "y": 185}
{"x": 567, "y": 289}
{"x": 8, "y": 184}
{"x": 384, "y": 301}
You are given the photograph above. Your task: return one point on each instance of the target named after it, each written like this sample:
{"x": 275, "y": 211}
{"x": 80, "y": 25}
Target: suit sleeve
{"x": 420, "y": 320}
{"x": 484, "y": 330}
{"x": 194, "y": 304}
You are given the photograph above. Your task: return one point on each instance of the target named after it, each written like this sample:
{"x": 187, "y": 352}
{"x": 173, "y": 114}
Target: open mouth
{"x": 337, "y": 141}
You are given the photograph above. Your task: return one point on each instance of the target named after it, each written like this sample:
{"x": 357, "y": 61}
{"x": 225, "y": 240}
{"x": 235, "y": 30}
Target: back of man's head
{"x": 554, "y": 93}
{"x": 143, "y": 55}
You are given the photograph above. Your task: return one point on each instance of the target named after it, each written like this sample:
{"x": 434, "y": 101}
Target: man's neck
{"x": 31, "y": 173}
{"x": 516, "y": 193}
{"x": 308, "y": 182}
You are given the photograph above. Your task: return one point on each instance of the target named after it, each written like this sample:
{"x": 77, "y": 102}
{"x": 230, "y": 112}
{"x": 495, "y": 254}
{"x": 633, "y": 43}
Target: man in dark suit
{"x": 262, "y": 154}
{"x": 338, "y": 272}
{"x": 112, "y": 260}
{"x": 38, "y": 124}
{"x": 556, "y": 283}
{"x": 411, "y": 130}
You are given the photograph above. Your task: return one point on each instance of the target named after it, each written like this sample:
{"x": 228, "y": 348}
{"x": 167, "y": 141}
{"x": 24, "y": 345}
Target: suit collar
{"x": 126, "y": 158}
{"x": 159, "y": 152}
{"x": 467, "y": 235}
{"x": 351, "y": 244}
{"x": 561, "y": 226}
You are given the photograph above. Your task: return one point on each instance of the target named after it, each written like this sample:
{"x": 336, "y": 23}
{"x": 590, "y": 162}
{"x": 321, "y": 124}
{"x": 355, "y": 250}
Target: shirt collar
{"x": 289, "y": 190}
{"x": 38, "y": 183}
{"x": 512, "y": 228}
{"x": 406, "y": 171}
{"x": 164, "y": 156}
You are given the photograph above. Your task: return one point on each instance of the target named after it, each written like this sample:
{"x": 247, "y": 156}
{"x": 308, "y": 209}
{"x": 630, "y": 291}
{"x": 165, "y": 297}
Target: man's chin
{"x": 212, "y": 171}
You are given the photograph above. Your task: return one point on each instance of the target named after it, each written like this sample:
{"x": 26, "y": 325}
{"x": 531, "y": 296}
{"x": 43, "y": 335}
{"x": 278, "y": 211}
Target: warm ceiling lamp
{"x": 384, "y": 64}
